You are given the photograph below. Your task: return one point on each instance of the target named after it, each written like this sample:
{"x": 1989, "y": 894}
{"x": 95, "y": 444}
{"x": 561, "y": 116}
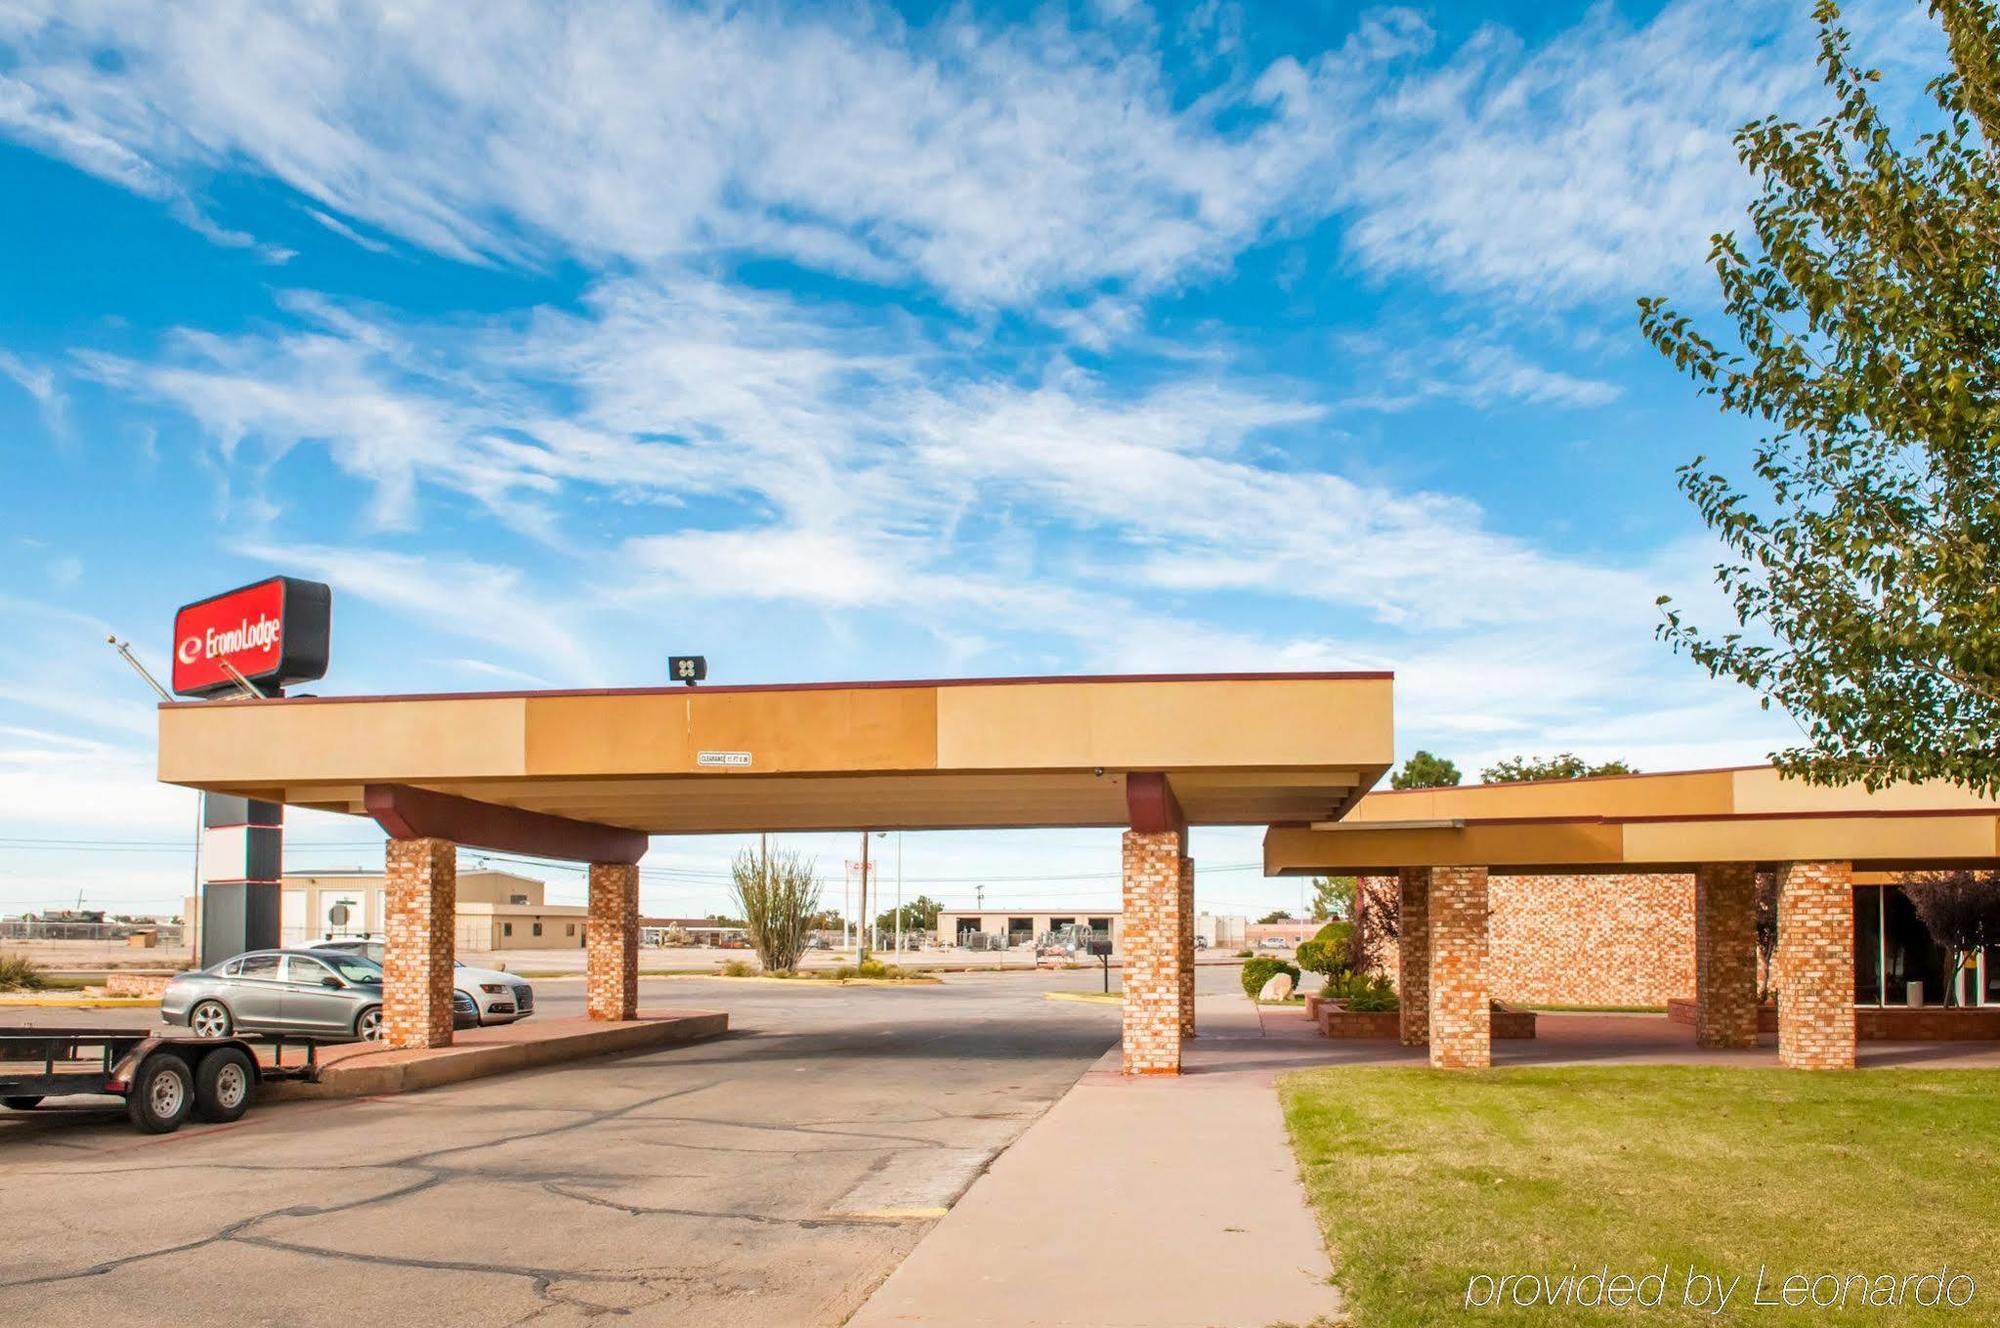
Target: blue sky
{"x": 948, "y": 340}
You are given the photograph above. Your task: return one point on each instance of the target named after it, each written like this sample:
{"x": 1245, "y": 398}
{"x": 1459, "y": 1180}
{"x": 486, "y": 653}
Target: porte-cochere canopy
{"x": 1239, "y": 749}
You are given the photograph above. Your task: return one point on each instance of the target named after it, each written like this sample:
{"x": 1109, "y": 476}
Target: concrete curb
{"x": 376, "y": 1074}
{"x": 82, "y": 1002}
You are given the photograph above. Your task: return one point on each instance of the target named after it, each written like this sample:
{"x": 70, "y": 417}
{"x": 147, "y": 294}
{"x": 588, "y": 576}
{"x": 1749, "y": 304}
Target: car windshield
{"x": 353, "y": 967}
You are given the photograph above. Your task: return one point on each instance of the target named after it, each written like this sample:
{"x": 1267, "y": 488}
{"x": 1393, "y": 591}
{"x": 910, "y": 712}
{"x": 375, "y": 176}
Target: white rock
{"x": 1279, "y": 988}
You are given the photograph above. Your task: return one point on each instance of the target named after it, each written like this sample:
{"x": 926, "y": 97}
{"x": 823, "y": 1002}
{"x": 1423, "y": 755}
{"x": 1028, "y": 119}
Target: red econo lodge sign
{"x": 273, "y": 632}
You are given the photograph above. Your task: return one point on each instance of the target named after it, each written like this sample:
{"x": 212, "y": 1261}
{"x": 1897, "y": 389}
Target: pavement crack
{"x": 736, "y": 1215}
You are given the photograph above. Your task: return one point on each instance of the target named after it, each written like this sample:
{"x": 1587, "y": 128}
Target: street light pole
{"x": 861, "y": 937}
{"x": 899, "y": 894}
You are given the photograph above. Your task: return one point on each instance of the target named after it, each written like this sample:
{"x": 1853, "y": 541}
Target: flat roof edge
{"x": 680, "y": 689}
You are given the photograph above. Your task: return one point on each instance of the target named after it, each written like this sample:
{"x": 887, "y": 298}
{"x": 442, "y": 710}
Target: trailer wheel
{"x": 223, "y": 1083}
{"x": 21, "y": 1103}
{"x": 162, "y": 1093}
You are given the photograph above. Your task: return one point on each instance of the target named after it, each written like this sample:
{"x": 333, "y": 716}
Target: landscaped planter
{"x": 1336, "y": 1021}
{"x": 1682, "y": 1010}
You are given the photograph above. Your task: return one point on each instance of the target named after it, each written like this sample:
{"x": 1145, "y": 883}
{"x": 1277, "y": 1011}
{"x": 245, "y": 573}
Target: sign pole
{"x": 861, "y": 937}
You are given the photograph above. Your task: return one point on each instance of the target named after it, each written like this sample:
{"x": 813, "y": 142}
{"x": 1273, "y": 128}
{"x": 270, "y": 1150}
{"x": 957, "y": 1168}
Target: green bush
{"x": 737, "y": 968}
{"x": 1331, "y": 953}
{"x": 1258, "y": 971}
{"x": 19, "y": 973}
{"x": 1336, "y": 934}
{"x": 1362, "y": 994}
{"x": 1246, "y": 954}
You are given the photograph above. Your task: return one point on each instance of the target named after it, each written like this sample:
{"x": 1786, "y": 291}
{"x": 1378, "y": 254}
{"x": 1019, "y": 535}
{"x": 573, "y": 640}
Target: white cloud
{"x": 478, "y": 601}
{"x": 1477, "y": 369}
{"x": 1596, "y": 164}
{"x": 999, "y": 165}
{"x": 39, "y": 382}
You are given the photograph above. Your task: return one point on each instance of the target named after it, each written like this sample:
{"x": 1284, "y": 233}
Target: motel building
{"x": 493, "y": 911}
{"x": 1010, "y": 927}
{"x": 591, "y": 777}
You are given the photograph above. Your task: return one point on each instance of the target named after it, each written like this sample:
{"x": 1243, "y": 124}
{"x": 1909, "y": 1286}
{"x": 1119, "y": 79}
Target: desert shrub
{"x": 739, "y": 968}
{"x": 1246, "y": 954}
{"x": 1258, "y": 971}
{"x": 20, "y": 973}
{"x": 1362, "y": 994}
{"x": 778, "y": 896}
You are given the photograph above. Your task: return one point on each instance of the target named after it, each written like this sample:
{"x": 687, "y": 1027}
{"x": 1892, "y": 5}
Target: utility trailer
{"x": 164, "y": 1079}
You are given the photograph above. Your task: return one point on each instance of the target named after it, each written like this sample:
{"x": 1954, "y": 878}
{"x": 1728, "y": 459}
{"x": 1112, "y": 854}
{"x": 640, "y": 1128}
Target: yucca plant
{"x": 19, "y": 973}
{"x": 777, "y": 894}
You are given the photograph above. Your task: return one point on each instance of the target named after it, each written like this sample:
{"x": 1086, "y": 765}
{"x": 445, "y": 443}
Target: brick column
{"x": 1413, "y": 954}
{"x": 1725, "y": 954}
{"x": 1815, "y": 965}
{"x": 420, "y": 911}
{"x": 1461, "y": 1004}
{"x": 1186, "y": 947}
{"x": 611, "y": 942}
{"x": 1152, "y": 1029}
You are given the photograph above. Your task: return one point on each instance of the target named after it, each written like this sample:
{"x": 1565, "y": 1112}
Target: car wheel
{"x": 210, "y": 1019}
{"x": 20, "y": 1103}
{"x": 162, "y": 1094}
{"x": 223, "y": 1083}
{"x": 368, "y": 1026}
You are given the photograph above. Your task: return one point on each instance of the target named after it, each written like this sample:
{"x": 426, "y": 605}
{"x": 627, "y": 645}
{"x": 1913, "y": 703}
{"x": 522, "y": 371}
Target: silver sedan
{"x": 495, "y": 997}
{"x": 279, "y": 991}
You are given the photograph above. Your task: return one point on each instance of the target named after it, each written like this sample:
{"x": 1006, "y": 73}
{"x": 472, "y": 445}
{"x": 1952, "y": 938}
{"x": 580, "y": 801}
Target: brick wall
{"x": 1184, "y": 958}
{"x": 611, "y": 942}
{"x": 1581, "y": 940}
{"x": 1725, "y": 955}
{"x": 1461, "y": 1028}
{"x": 1815, "y": 964}
{"x": 1152, "y": 978}
{"x": 1413, "y": 958}
{"x": 419, "y": 906}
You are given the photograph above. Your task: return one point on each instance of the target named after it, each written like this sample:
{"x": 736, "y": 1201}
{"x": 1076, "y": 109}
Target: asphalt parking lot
{"x": 774, "y": 1176}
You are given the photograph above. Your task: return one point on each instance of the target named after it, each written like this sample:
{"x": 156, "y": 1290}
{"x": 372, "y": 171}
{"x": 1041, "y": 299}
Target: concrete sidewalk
{"x": 1165, "y": 1203}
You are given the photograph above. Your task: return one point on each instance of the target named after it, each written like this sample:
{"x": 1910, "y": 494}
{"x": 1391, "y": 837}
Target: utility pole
{"x": 861, "y": 940}
{"x": 899, "y": 894}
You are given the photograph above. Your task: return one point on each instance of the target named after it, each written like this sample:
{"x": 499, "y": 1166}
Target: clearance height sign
{"x": 274, "y": 633}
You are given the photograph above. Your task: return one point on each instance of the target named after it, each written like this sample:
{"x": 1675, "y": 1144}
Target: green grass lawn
{"x": 1425, "y": 1181}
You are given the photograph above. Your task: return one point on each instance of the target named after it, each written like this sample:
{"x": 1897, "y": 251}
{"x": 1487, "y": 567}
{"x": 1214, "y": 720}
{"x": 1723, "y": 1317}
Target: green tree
{"x": 919, "y": 914}
{"x": 1566, "y": 766}
{"x": 1866, "y": 342}
{"x": 1275, "y": 915}
{"x": 1423, "y": 770}
{"x": 1333, "y": 897}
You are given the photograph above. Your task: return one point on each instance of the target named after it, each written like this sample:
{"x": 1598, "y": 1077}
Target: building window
{"x": 538, "y": 929}
{"x": 570, "y": 929}
{"x": 506, "y": 929}
{"x": 1892, "y": 949}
